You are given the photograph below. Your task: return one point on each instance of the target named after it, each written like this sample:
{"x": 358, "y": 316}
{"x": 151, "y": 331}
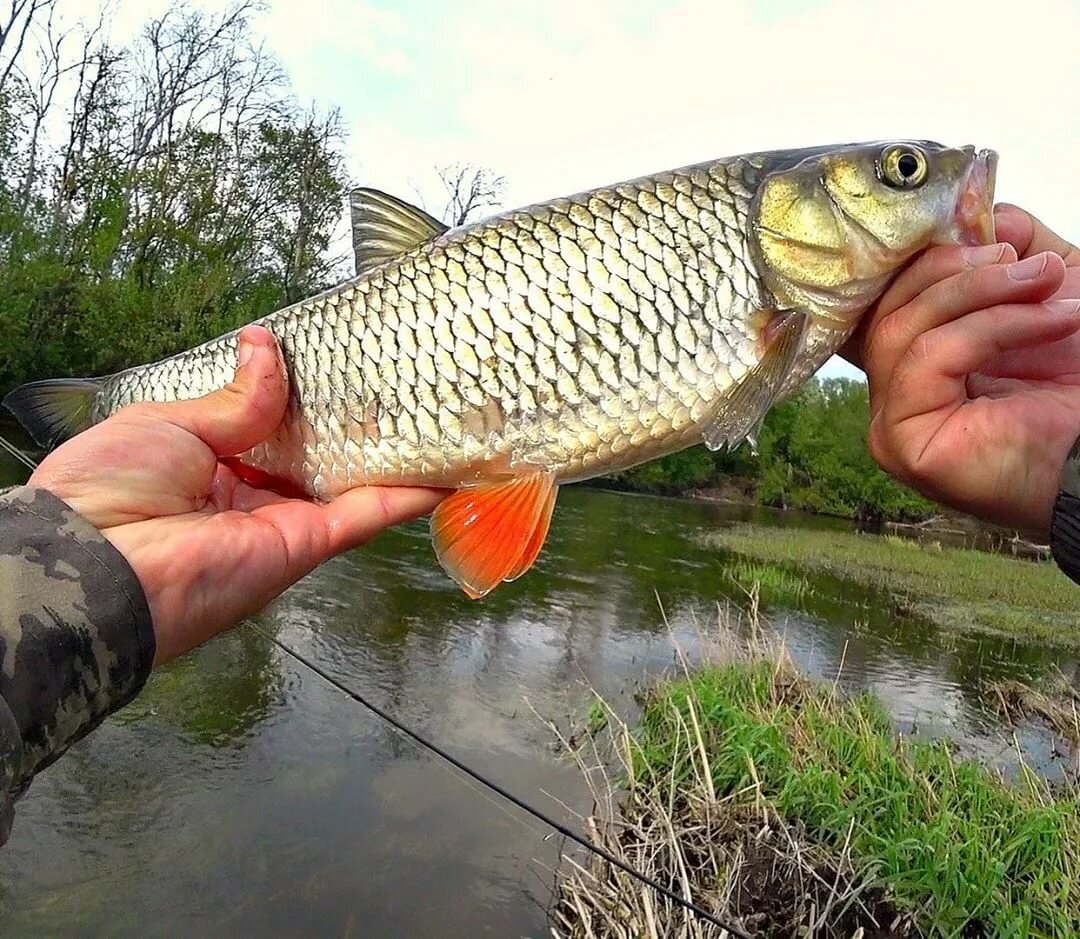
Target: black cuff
{"x": 1065, "y": 535}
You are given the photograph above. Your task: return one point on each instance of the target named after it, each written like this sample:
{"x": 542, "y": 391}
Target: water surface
{"x": 241, "y": 794}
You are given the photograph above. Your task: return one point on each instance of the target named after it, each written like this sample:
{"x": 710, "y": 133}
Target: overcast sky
{"x": 563, "y": 95}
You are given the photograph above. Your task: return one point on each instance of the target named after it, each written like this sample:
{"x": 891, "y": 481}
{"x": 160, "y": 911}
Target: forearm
{"x": 76, "y": 639}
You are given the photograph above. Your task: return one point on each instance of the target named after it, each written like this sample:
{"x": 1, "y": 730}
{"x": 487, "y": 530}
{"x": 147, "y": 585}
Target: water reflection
{"x": 217, "y": 698}
{"x": 242, "y": 794}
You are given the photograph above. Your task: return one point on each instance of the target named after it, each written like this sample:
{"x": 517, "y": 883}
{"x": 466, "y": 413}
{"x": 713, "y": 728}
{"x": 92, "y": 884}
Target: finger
{"x": 929, "y": 268}
{"x": 1029, "y": 235}
{"x": 933, "y": 374}
{"x": 357, "y": 516}
{"x": 1052, "y": 361}
{"x": 1029, "y": 281}
{"x": 939, "y": 264}
{"x": 311, "y": 534}
{"x": 247, "y": 410}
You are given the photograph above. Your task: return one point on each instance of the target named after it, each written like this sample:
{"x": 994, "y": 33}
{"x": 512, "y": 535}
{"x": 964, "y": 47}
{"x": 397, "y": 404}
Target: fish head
{"x": 832, "y": 228}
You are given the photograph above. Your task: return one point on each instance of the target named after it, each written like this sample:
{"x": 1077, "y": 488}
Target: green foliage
{"x": 812, "y": 455}
{"x": 674, "y": 473}
{"x": 955, "y": 846}
{"x": 185, "y": 196}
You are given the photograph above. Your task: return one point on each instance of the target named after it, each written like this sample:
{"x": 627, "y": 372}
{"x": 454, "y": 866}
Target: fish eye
{"x": 903, "y": 167}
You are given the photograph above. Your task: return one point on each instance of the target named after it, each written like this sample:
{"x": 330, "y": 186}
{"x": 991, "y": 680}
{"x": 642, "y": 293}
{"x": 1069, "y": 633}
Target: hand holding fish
{"x": 973, "y": 362}
{"x": 207, "y": 547}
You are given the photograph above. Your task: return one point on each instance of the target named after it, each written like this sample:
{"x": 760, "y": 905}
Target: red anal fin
{"x": 260, "y": 479}
{"x": 539, "y": 536}
{"x": 493, "y": 532}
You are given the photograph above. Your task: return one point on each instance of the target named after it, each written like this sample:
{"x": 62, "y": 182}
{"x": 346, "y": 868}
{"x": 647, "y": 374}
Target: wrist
{"x": 151, "y": 554}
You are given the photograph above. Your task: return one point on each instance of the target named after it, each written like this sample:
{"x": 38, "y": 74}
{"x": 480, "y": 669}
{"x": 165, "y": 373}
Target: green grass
{"x": 777, "y": 582}
{"x": 955, "y": 588}
{"x": 952, "y": 844}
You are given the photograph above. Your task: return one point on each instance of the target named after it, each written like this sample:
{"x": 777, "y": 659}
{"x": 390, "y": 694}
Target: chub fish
{"x": 571, "y": 338}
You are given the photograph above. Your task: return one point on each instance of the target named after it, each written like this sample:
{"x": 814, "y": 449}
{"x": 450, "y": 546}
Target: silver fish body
{"x": 582, "y": 335}
{"x": 571, "y": 338}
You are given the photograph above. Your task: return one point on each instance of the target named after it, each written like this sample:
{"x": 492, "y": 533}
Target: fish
{"x": 568, "y": 339}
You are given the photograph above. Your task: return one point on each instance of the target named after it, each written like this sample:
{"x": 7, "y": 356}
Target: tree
{"x": 304, "y": 170}
{"x": 185, "y": 194}
{"x": 14, "y": 28}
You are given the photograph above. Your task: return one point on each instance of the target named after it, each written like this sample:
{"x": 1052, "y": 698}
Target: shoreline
{"x": 956, "y": 589}
{"x": 952, "y": 528}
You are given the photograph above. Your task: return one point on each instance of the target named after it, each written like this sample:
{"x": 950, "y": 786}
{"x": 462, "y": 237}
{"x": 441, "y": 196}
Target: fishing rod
{"x": 449, "y": 758}
{"x": 536, "y": 813}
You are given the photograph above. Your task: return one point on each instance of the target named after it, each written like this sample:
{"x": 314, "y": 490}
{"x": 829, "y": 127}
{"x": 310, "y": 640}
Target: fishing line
{"x": 536, "y": 813}
{"x": 17, "y": 453}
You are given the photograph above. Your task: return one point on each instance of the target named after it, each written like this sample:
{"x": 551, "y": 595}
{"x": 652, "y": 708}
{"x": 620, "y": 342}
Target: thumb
{"x": 248, "y": 409}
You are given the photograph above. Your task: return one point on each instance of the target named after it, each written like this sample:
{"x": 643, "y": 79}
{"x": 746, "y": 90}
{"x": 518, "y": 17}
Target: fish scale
{"x": 568, "y": 339}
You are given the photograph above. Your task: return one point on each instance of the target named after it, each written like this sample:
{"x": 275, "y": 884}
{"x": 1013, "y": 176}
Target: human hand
{"x": 973, "y": 363}
{"x": 208, "y": 548}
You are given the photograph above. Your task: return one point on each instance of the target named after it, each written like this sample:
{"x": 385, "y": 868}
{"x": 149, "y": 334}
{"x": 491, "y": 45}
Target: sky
{"x": 564, "y": 95}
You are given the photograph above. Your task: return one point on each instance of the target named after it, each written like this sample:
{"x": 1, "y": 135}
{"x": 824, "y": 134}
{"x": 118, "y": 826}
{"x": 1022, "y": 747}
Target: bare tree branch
{"x": 42, "y": 90}
{"x": 27, "y": 11}
{"x": 94, "y": 67}
{"x": 469, "y": 190}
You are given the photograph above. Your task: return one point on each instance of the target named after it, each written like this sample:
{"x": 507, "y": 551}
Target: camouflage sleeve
{"x": 76, "y": 639}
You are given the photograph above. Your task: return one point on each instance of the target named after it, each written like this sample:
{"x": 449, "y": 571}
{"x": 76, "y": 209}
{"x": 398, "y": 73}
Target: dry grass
{"x": 745, "y": 866}
{"x": 1056, "y": 706}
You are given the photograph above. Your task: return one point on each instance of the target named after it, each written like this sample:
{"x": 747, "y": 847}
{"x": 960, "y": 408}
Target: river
{"x": 240, "y": 794}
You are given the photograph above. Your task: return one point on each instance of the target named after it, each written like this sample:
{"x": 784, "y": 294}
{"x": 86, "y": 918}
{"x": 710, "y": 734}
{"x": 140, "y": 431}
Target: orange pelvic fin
{"x": 493, "y": 532}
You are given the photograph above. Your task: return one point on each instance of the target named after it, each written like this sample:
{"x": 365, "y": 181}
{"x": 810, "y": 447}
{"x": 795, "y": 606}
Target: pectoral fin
{"x": 745, "y": 407}
{"x": 491, "y": 533}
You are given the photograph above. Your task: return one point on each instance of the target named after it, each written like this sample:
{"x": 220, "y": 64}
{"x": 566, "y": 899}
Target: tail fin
{"x": 54, "y": 410}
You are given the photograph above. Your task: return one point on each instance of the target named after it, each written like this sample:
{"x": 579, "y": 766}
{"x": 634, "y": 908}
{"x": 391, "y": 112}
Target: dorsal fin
{"x": 384, "y": 226}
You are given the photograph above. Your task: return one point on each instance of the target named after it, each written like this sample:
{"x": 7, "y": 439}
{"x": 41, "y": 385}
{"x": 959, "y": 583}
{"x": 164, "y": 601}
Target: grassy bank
{"x": 778, "y": 803}
{"x": 954, "y": 588}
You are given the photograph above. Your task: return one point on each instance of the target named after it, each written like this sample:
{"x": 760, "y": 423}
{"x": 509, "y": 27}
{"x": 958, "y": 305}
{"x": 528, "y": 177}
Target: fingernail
{"x": 1064, "y": 307}
{"x": 984, "y": 254}
{"x": 246, "y": 351}
{"x": 1028, "y": 269}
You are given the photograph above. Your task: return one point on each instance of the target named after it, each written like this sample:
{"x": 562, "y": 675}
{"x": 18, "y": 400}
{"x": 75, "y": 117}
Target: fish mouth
{"x": 974, "y": 215}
